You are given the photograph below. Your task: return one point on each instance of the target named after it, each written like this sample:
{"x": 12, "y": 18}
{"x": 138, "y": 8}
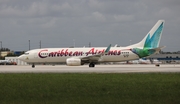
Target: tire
{"x": 33, "y": 66}
{"x": 91, "y": 65}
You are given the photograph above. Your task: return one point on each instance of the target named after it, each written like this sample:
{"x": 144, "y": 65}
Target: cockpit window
{"x": 26, "y": 54}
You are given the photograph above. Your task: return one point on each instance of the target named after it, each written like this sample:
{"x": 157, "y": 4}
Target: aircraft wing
{"x": 95, "y": 58}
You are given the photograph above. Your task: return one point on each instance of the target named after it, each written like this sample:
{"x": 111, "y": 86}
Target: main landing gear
{"x": 91, "y": 65}
{"x": 33, "y": 66}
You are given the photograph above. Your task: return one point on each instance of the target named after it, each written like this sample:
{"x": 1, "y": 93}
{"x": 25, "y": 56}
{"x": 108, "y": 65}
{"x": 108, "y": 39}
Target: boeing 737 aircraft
{"x": 79, "y": 56}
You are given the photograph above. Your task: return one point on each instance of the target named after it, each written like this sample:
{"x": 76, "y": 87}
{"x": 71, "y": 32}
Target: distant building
{"x": 166, "y": 58}
{"x": 5, "y": 53}
{"x": 18, "y": 53}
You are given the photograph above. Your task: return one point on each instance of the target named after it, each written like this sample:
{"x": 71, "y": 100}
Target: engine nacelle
{"x": 73, "y": 62}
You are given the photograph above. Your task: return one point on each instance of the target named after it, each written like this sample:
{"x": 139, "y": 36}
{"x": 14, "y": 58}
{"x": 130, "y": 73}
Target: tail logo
{"x": 153, "y": 42}
{"x": 149, "y": 44}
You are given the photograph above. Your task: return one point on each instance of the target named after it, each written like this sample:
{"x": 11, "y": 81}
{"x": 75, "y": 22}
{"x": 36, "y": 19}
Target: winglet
{"x": 108, "y": 48}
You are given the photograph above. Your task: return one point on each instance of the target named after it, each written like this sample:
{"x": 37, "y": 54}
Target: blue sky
{"x": 61, "y": 23}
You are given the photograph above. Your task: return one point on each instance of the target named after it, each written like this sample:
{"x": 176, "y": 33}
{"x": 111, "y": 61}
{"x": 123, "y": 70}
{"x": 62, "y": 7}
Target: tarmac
{"x": 164, "y": 68}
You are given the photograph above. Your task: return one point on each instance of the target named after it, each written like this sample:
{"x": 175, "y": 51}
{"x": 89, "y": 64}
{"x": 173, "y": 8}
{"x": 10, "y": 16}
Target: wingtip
{"x": 108, "y": 48}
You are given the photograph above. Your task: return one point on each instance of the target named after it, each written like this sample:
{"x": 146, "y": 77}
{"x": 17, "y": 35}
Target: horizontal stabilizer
{"x": 156, "y": 50}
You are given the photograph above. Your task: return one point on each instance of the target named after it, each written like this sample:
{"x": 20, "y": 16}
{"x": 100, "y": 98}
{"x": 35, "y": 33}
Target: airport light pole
{"x": 74, "y": 42}
{"x": 1, "y": 48}
{"x": 89, "y": 44}
{"x": 29, "y": 44}
{"x": 1, "y": 44}
{"x": 40, "y": 44}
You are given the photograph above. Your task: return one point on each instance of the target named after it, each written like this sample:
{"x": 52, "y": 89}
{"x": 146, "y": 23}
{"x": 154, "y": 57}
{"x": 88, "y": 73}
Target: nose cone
{"x": 22, "y": 58}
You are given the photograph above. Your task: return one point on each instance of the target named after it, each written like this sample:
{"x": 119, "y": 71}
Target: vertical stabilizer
{"x": 152, "y": 39}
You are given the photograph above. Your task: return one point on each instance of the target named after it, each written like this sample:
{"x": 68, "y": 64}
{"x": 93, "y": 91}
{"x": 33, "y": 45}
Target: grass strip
{"x": 52, "y": 88}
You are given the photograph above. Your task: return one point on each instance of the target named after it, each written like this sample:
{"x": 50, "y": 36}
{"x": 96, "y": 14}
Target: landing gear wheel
{"x": 91, "y": 65}
{"x": 33, "y": 66}
{"x": 157, "y": 65}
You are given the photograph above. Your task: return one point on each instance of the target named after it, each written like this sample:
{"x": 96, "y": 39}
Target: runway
{"x": 85, "y": 69}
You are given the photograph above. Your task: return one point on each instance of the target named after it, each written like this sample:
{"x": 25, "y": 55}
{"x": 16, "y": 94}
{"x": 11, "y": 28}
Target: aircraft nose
{"x": 21, "y": 58}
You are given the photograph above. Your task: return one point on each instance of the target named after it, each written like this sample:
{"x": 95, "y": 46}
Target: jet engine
{"x": 73, "y": 62}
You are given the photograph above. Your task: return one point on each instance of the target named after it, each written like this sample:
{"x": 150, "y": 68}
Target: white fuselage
{"x": 58, "y": 55}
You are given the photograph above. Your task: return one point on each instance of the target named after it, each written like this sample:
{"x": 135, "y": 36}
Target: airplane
{"x": 142, "y": 61}
{"x": 155, "y": 61}
{"x": 92, "y": 55}
{"x": 2, "y": 62}
{"x": 139, "y": 61}
{"x": 7, "y": 62}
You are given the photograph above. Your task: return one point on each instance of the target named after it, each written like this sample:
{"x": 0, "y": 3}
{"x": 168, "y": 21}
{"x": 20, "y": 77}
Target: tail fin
{"x": 152, "y": 39}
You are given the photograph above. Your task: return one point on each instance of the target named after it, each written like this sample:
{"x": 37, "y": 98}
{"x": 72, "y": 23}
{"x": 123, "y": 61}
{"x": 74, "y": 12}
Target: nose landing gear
{"x": 33, "y": 66}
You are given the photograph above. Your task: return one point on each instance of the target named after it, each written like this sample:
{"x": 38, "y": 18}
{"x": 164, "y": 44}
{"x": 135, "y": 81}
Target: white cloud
{"x": 80, "y": 19}
{"x": 59, "y": 7}
{"x": 98, "y": 16}
{"x": 121, "y": 18}
{"x": 95, "y": 4}
{"x": 32, "y": 9}
{"x": 50, "y": 23}
{"x": 38, "y": 8}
